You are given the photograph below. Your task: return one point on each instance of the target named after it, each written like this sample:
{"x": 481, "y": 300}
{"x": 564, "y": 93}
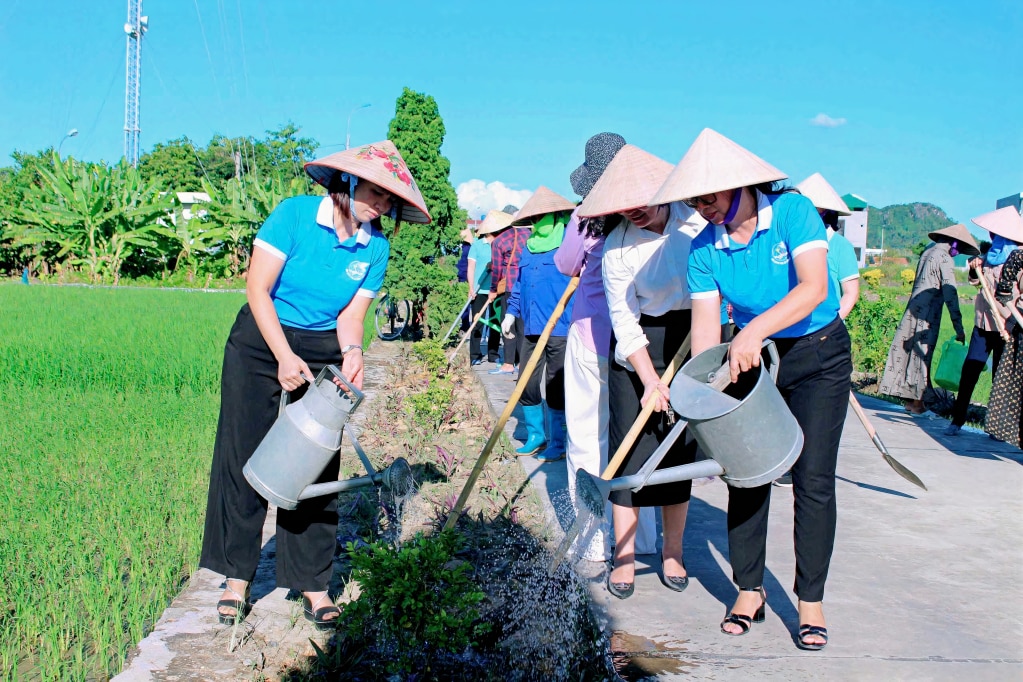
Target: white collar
{"x": 325, "y": 218}
{"x": 764, "y": 215}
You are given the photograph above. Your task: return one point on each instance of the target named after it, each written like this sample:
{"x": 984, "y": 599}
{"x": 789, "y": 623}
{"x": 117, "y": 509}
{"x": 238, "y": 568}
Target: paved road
{"x": 923, "y": 585}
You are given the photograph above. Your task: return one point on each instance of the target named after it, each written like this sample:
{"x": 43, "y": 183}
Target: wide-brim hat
{"x": 381, "y": 164}
{"x": 713, "y": 164}
{"x": 823, "y": 195}
{"x": 542, "y": 202}
{"x": 599, "y": 151}
{"x": 628, "y": 182}
{"x": 494, "y": 222}
{"x": 962, "y": 235}
{"x": 1006, "y": 222}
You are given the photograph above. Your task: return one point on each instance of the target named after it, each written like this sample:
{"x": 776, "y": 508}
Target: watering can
{"x": 304, "y": 439}
{"x": 747, "y": 432}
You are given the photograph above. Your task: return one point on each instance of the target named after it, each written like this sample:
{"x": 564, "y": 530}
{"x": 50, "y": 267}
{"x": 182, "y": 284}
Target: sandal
{"x": 743, "y": 621}
{"x": 240, "y": 604}
{"x": 808, "y": 631}
{"x": 318, "y": 616}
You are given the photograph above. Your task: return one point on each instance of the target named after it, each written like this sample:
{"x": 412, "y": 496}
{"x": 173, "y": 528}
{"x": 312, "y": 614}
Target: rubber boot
{"x": 532, "y": 417}
{"x": 556, "y": 443}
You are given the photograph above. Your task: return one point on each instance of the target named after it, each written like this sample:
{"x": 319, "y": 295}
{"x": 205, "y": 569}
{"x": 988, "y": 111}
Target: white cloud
{"x": 822, "y": 120}
{"x": 477, "y": 197}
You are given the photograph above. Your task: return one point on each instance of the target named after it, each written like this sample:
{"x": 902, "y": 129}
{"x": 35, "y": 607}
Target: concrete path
{"x": 923, "y": 585}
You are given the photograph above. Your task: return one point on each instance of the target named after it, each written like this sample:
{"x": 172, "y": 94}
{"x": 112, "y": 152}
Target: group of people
{"x": 666, "y": 256}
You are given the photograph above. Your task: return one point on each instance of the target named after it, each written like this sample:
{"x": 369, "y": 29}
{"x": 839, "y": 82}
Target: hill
{"x": 904, "y": 225}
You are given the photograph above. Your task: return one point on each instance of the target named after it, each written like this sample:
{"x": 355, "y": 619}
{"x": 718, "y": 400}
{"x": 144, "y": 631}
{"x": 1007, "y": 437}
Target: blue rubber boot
{"x": 532, "y": 417}
{"x": 557, "y": 437}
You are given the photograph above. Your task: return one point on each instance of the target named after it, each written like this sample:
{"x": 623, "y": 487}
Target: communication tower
{"x": 135, "y": 28}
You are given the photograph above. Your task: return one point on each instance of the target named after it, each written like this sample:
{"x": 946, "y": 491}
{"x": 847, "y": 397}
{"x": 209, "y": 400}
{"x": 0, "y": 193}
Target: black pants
{"x": 665, "y": 335}
{"x": 813, "y": 378}
{"x": 511, "y": 344}
{"x": 250, "y": 395}
{"x": 551, "y": 361}
{"x": 982, "y": 344}
{"x": 493, "y": 340}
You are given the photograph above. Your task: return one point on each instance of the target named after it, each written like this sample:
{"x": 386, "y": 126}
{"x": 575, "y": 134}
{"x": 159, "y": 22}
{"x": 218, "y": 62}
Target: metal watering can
{"x": 748, "y": 432}
{"x": 304, "y": 439}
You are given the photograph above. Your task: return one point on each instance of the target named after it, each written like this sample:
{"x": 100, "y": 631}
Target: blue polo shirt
{"x": 842, "y": 265}
{"x": 321, "y": 274}
{"x": 481, "y": 253}
{"x": 754, "y": 277}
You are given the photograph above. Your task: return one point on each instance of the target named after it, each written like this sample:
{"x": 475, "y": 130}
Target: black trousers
{"x": 665, "y": 335}
{"x": 250, "y": 396}
{"x": 493, "y": 340}
{"x": 813, "y": 378}
{"x": 511, "y": 344}
{"x": 551, "y": 361}
{"x": 982, "y": 344}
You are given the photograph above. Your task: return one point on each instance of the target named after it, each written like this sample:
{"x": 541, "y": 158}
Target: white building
{"x": 855, "y": 226}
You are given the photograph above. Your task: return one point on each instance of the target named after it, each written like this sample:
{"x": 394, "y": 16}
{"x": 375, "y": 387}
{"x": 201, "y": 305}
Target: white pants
{"x": 586, "y": 414}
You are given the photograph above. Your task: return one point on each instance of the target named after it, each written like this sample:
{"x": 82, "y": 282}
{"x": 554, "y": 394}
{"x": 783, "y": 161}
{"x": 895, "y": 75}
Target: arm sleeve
{"x": 1010, "y": 273}
{"x": 515, "y": 296}
{"x": 377, "y": 269}
{"x": 699, "y": 273}
{"x": 623, "y": 303}
{"x": 845, "y": 258}
{"x": 499, "y": 256}
{"x": 277, "y": 234}
{"x": 805, "y": 229}
{"x": 572, "y": 252}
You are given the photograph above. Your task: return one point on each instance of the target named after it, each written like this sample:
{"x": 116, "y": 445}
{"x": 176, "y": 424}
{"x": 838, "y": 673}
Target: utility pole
{"x": 135, "y": 28}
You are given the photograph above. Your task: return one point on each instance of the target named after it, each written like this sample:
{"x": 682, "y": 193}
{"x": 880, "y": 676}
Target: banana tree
{"x": 194, "y": 239}
{"x": 136, "y": 210}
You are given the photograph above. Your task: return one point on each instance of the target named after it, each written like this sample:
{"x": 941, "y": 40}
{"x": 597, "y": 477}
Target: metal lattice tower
{"x": 135, "y": 29}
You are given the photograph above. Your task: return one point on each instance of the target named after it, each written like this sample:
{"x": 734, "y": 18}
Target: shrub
{"x": 908, "y": 275}
{"x": 430, "y": 352}
{"x": 416, "y": 601}
{"x": 872, "y": 324}
{"x": 428, "y": 407}
{"x": 873, "y": 277}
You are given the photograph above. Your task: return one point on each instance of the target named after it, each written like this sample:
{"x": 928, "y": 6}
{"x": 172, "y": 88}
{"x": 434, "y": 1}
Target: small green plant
{"x": 908, "y": 275}
{"x": 428, "y": 407}
{"x": 430, "y": 352}
{"x": 416, "y": 601}
{"x": 872, "y": 324}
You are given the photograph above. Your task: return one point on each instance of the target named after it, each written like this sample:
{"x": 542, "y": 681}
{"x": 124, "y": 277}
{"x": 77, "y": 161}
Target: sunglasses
{"x": 700, "y": 202}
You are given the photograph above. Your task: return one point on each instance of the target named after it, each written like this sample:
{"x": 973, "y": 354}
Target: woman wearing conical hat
{"x": 766, "y": 253}
{"x": 317, "y": 264}
{"x": 644, "y": 271}
{"x": 1005, "y": 408}
{"x": 907, "y": 371}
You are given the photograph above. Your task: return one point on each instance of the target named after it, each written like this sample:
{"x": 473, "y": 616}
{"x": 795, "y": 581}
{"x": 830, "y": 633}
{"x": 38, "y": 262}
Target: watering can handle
{"x": 772, "y": 352}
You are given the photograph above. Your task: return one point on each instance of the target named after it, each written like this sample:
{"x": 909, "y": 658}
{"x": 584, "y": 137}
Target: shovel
{"x": 468, "y": 331}
{"x": 892, "y": 462}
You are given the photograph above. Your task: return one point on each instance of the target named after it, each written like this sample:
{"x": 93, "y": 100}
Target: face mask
{"x": 954, "y": 249}
{"x": 1000, "y": 250}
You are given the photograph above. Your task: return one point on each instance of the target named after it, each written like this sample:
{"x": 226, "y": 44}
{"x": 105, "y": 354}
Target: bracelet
{"x": 349, "y": 348}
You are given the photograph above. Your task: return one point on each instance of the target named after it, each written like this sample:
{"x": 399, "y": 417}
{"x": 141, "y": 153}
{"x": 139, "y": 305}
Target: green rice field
{"x": 106, "y": 434}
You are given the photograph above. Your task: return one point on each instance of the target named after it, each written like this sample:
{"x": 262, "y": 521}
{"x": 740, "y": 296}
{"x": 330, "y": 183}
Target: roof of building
{"x": 193, "y": 197}
{"x": 854, "y": 202}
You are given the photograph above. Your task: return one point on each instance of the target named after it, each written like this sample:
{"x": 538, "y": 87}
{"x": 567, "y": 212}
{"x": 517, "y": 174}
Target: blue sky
{"x": 925, "y": 98}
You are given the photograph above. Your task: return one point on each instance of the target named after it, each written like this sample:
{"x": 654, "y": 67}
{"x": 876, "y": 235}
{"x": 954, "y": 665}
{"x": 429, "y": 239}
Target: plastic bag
{"x": 950, "y": 367}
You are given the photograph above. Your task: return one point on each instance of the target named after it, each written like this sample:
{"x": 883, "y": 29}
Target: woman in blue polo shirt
{"x": 317, "y": 264}
{"x": 766, "y": 253}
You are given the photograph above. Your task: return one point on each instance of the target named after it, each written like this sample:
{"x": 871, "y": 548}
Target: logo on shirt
{"x": 357, "y": 270}
{"x": 780, "y": 254}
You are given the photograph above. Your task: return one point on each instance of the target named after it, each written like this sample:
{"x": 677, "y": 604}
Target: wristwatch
{"x": 349, "y": 348}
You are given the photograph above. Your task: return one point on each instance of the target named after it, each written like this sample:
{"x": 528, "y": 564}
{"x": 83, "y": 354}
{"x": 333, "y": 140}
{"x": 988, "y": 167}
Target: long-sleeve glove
{"x": 507, "y": 324}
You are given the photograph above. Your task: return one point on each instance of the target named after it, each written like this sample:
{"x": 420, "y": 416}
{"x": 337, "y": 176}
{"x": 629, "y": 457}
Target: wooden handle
{"x": 861, "y": 415}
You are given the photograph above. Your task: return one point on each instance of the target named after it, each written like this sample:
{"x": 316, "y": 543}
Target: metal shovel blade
{"x": 896, "y": 466}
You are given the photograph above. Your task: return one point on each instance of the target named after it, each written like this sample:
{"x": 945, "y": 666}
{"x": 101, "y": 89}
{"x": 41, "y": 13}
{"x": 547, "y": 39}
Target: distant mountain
{"x": 904, "y": 225}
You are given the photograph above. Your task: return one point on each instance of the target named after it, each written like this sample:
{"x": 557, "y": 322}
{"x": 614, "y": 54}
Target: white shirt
{"x": 645, "y": 274}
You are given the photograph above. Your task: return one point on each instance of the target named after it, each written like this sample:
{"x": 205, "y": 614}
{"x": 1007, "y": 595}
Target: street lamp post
{"x": 71, "y": 133}
{"x": 348, "y": 129}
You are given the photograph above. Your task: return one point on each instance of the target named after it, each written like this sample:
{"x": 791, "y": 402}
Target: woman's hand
{"x": 658, "y": 392}
{"x": 744, "y": 353}
{"x": 352, "y": 367}
{"x": 290, "y": 371}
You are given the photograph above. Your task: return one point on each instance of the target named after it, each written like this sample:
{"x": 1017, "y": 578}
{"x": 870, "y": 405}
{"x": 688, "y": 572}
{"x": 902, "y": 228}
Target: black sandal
{"x": 240, "y": 605}
{"x": 808, "y": 631}
{"x": 743, "y": 621}
{"x": 318, "y": 617}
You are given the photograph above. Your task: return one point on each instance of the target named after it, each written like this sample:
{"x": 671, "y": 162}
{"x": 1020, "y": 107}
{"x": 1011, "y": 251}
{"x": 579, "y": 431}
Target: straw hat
{"x": 824, "y": 197}
{"x": 1005, "y": 222}
{"x": 542, "y": 202}
{"x": 599, "y": 151}
{"x": 494, "y": 222}
{"x": 381, "y": 164}
{"x": 713, "y": 164}
{"x": 958, "y": 232}
{"x": 628, "y": 182}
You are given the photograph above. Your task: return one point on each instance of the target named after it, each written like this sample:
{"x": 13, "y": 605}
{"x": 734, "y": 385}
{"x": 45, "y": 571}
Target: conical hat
{"x": 494, "y": 222}
{"x": 824, "y": 197}
{"x": 1006, "y": 222}
{"x": 713, "y": 164}
{"x": 632, "y": 177}
{"x": 958, "y": 232}
{"x": 542, "y": 202}
{"x": 381, "y": 164}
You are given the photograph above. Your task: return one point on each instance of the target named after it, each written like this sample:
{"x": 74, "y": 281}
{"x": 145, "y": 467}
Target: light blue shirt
{"x": 842, "y": 265}
{"x": 754, "y": 277}
{"x": 481, "y": 253}
{"x": 321, "y": 274}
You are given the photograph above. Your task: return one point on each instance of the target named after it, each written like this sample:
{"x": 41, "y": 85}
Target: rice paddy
{"x": 110, "y": 408}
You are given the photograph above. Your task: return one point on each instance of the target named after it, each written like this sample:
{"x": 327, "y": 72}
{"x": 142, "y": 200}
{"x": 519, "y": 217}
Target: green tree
{"x": 15, "y": 182}
{"x": 174, "y": 164}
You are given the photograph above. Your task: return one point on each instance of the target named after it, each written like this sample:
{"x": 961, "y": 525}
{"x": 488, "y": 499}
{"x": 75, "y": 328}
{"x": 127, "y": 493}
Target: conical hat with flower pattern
{"x": 381, "y": 164}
